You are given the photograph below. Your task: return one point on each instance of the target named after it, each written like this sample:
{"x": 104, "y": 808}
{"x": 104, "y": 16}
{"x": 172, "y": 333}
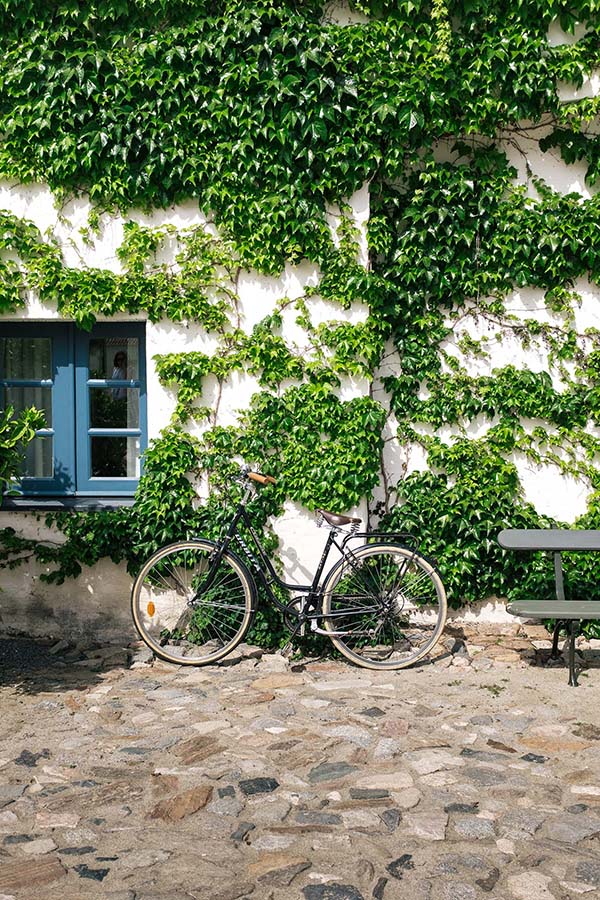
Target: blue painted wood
{"x": 88, "y": 484}
{"x": 71, "y": 430}
{"x": 63, "y": 419}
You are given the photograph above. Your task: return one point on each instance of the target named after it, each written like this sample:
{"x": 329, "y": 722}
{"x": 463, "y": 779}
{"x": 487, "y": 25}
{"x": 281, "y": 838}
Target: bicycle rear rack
{"x": 405, "y": 539}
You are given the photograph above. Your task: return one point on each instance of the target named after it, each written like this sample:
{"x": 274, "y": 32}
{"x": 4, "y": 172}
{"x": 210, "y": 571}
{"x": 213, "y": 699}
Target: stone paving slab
{"x": 304, "y": 779}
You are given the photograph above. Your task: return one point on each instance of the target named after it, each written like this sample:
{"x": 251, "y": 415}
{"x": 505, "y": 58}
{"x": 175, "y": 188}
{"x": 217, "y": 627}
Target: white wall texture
{"x": 96, "y": 604}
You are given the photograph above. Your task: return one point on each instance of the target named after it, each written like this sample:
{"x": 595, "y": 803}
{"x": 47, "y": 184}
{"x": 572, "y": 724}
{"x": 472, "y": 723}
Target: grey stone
{"x": 521, "y": 823}
{"x": 461, "y": 807}
{"x": 514, "y": 724}
{"x": 29, "y": 760}
{"x": 573, "y": 829}
{"x": 239, "y": 891}
{"x": 484, "y": 777}
{"x": 588, "y": 871}
{"x": 141, "y": 657}
{"x": 399, "y": 866}
{"x": 265, "y": 722}
{"x": 330, "y": 772}
{"x": 268, "y": 814}
{"x": 282, "y": 709}
{"x": 387, "y": 748}
{"x": 453, "y": 863}
{"x": 458, "y": 890}
{"x": 474, "y": 828}
{"x": 85, "y": 871}
{"x": 9, "y": 793}
{"x": 241, "y": 831}
{"x": 391, "y": 818}
{"x": 373, "y": 712}
{"x": 258, "y": 786}
{"x": 368, "y": 793}
{"x": 482, "y": 755}
{"x": 316, "y": 817}
{"x": 489, "y": 882}
{"x": 76, "y": 851}
{"x": 17, "y": 839}
{"x": 225, "y": 806}
{"x": 353, "y": 734}
{"x": 331, "y": 892}
{"x": 535, "y": 758}
{"x": 379, "y": 888}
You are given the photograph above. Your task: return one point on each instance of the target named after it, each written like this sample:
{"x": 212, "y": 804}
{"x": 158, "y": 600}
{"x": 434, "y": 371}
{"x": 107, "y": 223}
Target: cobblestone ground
{"x": 477, "y": 776}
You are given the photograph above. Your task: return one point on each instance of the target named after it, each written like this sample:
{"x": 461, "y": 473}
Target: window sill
{"x": 53, "y": 504}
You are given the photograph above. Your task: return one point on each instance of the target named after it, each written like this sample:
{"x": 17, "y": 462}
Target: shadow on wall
{"x": 92, "y": 608}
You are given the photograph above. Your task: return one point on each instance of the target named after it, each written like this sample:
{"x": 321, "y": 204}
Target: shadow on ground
{"x": 29, "y": 666}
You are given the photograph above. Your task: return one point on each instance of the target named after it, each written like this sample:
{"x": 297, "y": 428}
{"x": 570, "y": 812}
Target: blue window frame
{"x": 92, "y": 389}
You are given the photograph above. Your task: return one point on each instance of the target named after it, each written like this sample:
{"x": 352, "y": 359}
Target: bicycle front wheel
{"x": 384, "y": 606}
{"x": 189, "y": 609}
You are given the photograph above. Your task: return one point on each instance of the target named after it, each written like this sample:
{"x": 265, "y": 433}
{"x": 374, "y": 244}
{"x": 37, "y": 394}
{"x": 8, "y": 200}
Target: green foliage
{"x": 16, "y": 430}
{"x": 268, "y": 115}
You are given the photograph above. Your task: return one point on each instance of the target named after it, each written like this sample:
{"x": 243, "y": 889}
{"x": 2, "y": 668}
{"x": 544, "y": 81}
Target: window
{"x": 91, "y": 388}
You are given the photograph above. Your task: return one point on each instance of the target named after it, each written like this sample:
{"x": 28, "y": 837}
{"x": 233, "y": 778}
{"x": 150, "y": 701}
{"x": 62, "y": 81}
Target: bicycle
{"x": 382, "y": 604}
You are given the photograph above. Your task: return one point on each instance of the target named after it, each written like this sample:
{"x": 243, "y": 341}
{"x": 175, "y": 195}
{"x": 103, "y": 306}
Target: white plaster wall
{"x": 97, "y": 602}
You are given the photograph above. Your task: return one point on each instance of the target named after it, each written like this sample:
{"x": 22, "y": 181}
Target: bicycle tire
{"x": 179, "y": 625}
{"x": 389, "y": 601}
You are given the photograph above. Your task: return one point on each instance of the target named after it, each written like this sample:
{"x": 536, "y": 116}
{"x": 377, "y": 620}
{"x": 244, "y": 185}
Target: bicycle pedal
{"x": 287, "y": 650}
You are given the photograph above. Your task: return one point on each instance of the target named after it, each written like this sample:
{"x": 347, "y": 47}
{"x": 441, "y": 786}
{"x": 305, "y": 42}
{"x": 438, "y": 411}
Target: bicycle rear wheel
{"x": 384, "y": 606}
{"x": 190, "y": 610}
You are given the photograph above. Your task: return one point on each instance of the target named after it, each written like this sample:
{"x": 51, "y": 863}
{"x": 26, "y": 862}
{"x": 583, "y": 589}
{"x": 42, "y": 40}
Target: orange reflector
{"x": 151, "y": 608}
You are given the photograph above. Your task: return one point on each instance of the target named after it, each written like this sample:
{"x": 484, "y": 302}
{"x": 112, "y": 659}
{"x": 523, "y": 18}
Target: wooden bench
{"x": 568, "y": 613}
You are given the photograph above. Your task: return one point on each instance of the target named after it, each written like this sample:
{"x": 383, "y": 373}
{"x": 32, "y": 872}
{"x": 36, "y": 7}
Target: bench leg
{"x": 555, "y": 636}
{"x": 573, "y": 631}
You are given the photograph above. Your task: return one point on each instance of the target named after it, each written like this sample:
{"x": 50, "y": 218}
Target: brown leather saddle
{"x": 336, "y": 520}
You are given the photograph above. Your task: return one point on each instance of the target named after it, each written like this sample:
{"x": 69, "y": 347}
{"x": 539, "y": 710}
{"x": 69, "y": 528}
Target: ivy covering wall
{"x": 269, "y": 115}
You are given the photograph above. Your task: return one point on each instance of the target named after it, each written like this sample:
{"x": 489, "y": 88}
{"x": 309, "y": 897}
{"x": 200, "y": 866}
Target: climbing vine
{"x": 269, "y": 116}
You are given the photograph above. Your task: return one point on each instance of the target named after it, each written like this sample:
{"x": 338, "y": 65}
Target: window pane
{"x": 26, "y": 358}
{"x": 39, "y": 458}
{"x": 114, "y": 407}
{"x": 115, "y": 357}
{"x": 115, "y": 457}
{"x": 23, "y": 397}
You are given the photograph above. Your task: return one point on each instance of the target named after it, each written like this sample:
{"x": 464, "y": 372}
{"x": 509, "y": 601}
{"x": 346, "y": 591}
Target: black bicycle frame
{"x": 264, "y": 570}
{"x": 265, "y": 565}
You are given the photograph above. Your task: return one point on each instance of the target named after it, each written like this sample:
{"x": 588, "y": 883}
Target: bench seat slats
{"x": 555, "y": 609}
{"x": 567, "y": 613}
{"x": 557, "y": 539}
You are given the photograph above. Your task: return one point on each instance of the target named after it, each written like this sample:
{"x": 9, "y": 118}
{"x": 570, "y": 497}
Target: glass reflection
{"x": 114, "y": 358}
{"x": 114, "y": 408}
{"x": 23, "y": 397}
{"x": 26, "y": 358}
{"x": 115, "y": 457}
{"x": 39, "y": 458}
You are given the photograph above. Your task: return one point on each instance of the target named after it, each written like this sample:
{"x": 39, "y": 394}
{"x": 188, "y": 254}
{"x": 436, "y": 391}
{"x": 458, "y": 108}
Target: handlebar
{"x": 246, "y": 472}
{"x": 262, "y": 479}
